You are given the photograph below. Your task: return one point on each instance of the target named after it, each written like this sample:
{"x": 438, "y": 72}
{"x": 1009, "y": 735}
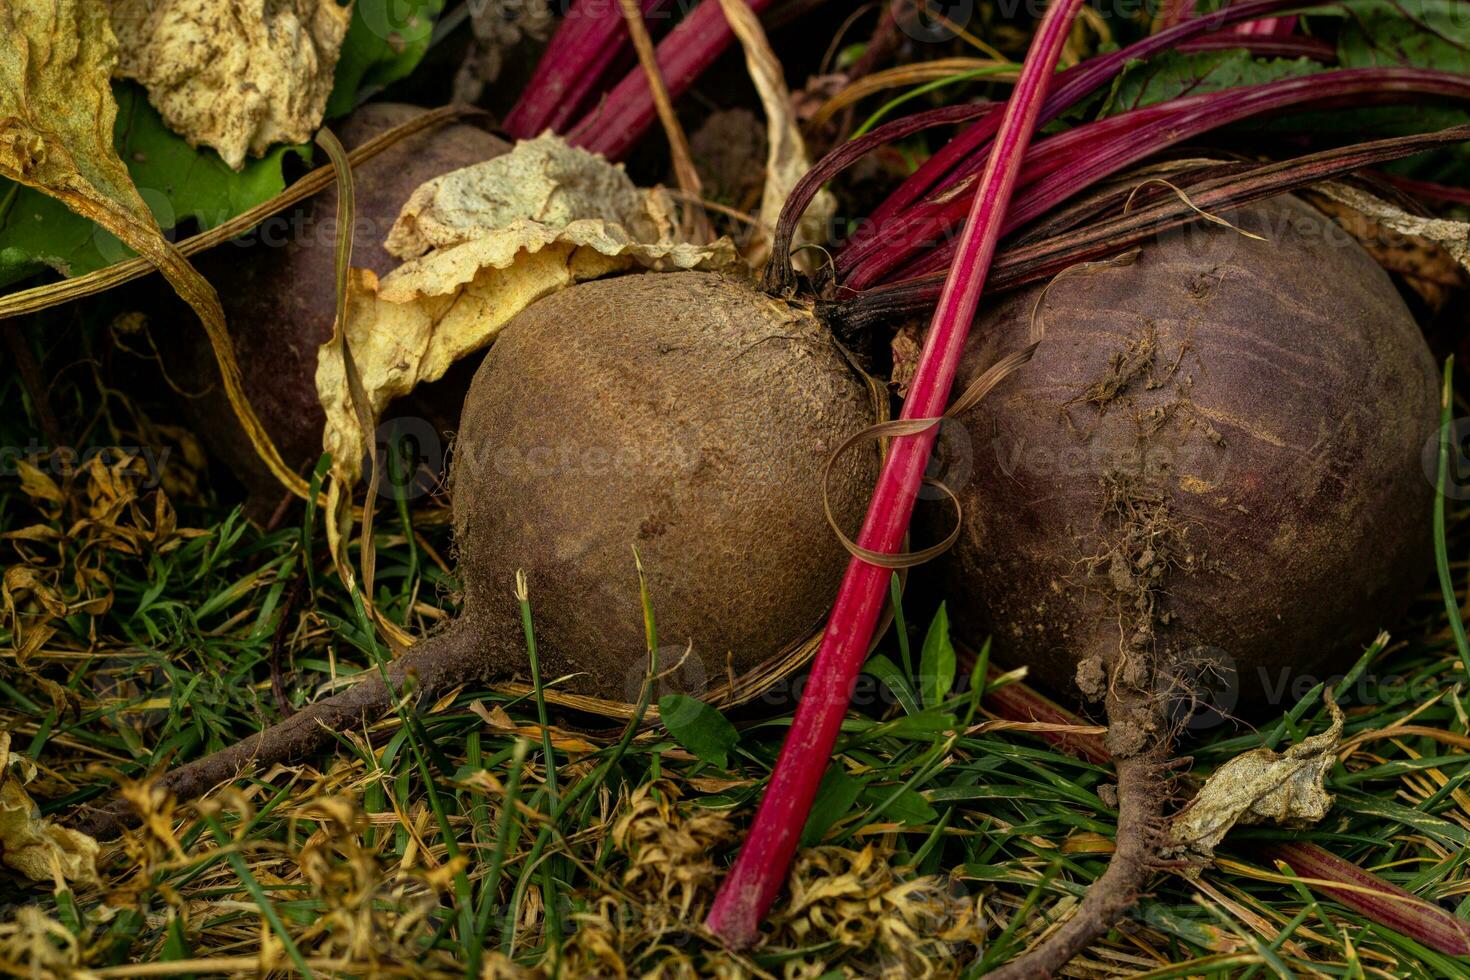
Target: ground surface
{"x": 156, "y": 624}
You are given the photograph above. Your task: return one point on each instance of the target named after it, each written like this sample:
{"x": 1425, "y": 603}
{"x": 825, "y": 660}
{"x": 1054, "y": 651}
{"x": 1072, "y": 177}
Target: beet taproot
{"x": 684, "y": 415}
{"x": 279, "y": 298}
{"x": 1213, "y": 459}
{"x": 1205, "y": 486}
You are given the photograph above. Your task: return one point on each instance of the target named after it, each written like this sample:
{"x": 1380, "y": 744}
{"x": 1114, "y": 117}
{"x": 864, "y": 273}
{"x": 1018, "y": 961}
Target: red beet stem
{"x": 1267, "y": 27}
{"x": 628, "y": 111}
{"x": 1372, "y": 897}
{"x": 1075, "y": 84}
{"x": 780, "y": 277}
{"x": 589, "y": 39}
{"x": 761, "y": 867}
{"x": 1041, "y": 258}
{"x": 1071, "y": 87}
{"x": 1063, "y": 165}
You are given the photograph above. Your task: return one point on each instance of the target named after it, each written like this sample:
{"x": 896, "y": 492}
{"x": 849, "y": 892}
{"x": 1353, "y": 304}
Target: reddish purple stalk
{"x": 780, "y": 277}
{"x": 628, "y": 111}
{"x": 589, "y": 39}
{"x": 1337, "y": 878}
{"x": 1268, "y": 27}
{"x": 1072, "y": 86}
{"x": 760, "y": 869}
{"x": 1372, "y": 897}
{"x": 1085, "y": 79}
{"x": 1063, "y": 165}
{"x": 1041, "y": 258}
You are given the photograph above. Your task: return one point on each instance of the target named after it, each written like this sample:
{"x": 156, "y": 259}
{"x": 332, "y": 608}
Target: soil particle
{"x": 1092, "y": 678}
{"x": 1133, "y": 728}
{"x": 1136, "y": 360}
{"x": 1119, "y": 574}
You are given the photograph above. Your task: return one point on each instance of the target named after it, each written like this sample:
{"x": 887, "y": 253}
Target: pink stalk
{"x": 1082, "y": 157}
{"x": 1063, "y": 165}
{"x": 1371, "y": 896}
{"x": 1268, "y": 27}
{"x": 760, "y": 869}
{"x": 1071, "y": 87}
{"x": 1339, "y": 879}
{"x": 589, "y": 39}
{"x": 928, "y": 224}
{"x": 628, "y": 111}
{"x": 1099, "y": 238}
{"x": 780, "y": 277}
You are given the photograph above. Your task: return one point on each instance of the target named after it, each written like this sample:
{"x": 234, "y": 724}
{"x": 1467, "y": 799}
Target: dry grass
{"x": 142, "y": 627}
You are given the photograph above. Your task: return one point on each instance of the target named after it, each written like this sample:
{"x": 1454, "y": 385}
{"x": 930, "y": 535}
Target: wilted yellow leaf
{"x": 37, "y": 485}
{"x": 497, "y": 236}
{"x": 29, "y": 643}
{"x": 1259, "y": 786}
{"x": 237, "y": 75}
{"x": 56, "y": 107}
{"x": 35, "y": 533}
{"x": 20, "y": 581}
{"x": 31, "y": 844}
{"x": 541, "y": 180}
{"x": 56, "y": 123}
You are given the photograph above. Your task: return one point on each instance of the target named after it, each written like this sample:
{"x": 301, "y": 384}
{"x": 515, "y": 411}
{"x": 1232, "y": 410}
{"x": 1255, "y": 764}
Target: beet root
{"x": 1214, "y": 456}
{"x": 679, "y": 414}
{"x": 683, "y": 415}
{"x": 279, "y": 298}
{"x": 1206, "y": 485}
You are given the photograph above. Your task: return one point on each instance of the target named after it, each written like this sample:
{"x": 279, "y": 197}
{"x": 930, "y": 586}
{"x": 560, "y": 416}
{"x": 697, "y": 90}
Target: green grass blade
{"x": 1441, "y": 551}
